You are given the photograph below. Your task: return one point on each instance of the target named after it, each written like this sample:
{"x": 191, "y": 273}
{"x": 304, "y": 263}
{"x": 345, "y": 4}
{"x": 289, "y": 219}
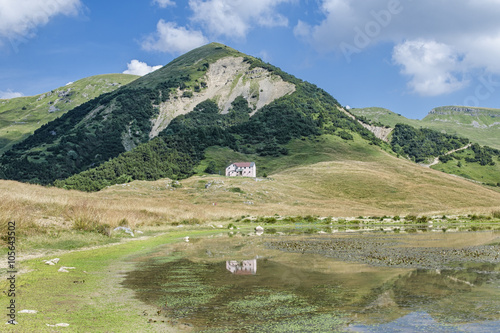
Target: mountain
{"x": 162, "y": 123}
{"x": 20, "y": 117}
{"x": 209, "y": 107}
{"x": 448, "y": 139}
{"x": 478, "y": 124}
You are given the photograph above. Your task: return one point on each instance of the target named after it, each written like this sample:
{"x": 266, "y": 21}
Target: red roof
{"x": 244, "y": 164}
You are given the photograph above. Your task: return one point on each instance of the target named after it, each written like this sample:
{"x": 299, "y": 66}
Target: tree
{"x": 211, "y": 168}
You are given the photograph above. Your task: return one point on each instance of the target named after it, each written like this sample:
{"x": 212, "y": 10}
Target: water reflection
{"x": 423, "y": 322}
{"x": 245, "y": 267}
{"x": 306, "y": 292}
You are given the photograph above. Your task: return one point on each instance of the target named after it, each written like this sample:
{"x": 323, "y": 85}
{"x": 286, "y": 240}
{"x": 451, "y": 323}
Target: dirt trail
{"x": 436, "y": 160}
{"x": 51, "y": 254}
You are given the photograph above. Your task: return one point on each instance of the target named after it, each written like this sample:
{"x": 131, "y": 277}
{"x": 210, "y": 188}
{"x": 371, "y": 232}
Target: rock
{"x": 259, "y": 228}
{"x": 53, "y": 109}
{"x": 58, "y": 325}
{"x": 186, "y": 239}
{"x": 125, "y": 229}
{"x": 51, "y": 262}
{"x": 27, "y": 311}
{"x": 65, "y": 269}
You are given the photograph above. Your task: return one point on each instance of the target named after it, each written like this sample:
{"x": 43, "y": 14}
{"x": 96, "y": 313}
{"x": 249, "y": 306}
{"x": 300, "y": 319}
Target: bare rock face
{"x": 226, "y": 79}
{"x": 380, "y": 132}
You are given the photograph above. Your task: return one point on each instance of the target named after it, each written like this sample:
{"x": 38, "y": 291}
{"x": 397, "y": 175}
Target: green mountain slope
{"x": 444, "y": 130}
{"x": 20, "y": 117}
{"x": 477, "y": 124}
{"x": 163, "y": 122}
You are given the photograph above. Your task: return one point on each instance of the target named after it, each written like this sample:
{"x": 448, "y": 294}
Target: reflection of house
{"x": 245, "y": 267}
{"x": 242, "y": 169}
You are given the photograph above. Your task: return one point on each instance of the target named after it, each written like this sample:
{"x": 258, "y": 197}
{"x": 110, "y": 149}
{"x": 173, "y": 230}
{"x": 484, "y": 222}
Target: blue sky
{"x": 407, "y": 56}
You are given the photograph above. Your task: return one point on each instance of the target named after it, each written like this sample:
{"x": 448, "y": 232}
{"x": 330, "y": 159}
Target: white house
{"x": 242, "y": 169}
{"x": 246, "y": 267}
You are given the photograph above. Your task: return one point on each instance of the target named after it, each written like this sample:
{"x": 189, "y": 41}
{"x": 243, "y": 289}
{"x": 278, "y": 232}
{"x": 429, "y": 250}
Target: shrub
{"x": 84, "y": 223}
{"x": 309, "y": 219}
{"x": 191, "y": 221}
{"x": 346, "y": 135}
{"x": 422, "y": 219}
{"x": 411, "y": 218}
{"x": 123, "y": 223}
{"x": 268, "y": 220}
{"x": 188, "y": 94}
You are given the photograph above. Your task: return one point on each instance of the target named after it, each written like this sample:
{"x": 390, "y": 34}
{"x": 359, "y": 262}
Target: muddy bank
{"x": 395, "y": 250}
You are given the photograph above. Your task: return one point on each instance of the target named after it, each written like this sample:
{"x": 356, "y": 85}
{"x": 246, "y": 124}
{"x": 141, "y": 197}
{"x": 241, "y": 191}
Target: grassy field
{"x": 53, "y": 223}
{"x": 89, "y": 298}
{"x": 20, "y": 117}
{"x": 349, "y": 179}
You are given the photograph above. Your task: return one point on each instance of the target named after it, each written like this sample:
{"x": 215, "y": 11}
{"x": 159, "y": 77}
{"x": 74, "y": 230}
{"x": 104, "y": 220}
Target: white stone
{"x": 58, "y": 325}
{"x": 51, "y": 262}
{"x": 65, "y": 269}
{"x": 27, "y": 311}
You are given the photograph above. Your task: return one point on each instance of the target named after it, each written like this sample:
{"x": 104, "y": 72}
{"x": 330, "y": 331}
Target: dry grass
{"x": 382, "y": 186}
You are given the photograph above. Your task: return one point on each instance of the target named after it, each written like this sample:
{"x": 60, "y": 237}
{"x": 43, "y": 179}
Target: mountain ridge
{"x": 23, "y": 115}
{"x": 481, "y": 125}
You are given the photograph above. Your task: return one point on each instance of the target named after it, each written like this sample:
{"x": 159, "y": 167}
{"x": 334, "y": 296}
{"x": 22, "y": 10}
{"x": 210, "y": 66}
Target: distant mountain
{"x": 20, "y": 117}
{"x": 478, "y": 124}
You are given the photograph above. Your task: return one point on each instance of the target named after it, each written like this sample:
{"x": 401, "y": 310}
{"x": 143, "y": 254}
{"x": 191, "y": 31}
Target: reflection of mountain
{"x": 373, "y": 297}
{"x": 245, "y": 267}
{"x": 423, "y": 322}
{"x": 449, "y": 296}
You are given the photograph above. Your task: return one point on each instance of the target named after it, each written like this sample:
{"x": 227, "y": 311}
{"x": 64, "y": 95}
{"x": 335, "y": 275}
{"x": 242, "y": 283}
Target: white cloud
{"x": 10, "y": 94}
{"x": 19, "y": 19}
{"x": 234, "y": 18}
{"x": 433, "y": 67}
{"x": 173, "y": 39}
{"x": 164, "y": 3}
{"x": 136, "y": 67}
{"x": 465, "y": 33}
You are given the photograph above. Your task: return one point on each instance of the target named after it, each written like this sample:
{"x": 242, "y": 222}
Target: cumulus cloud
{"x": 433, "y": 67}
{"x": 463, "y": 32}
{"x": 234, "y": 18}
{"x": 173, "y": 39}
{"x": 19, "y": 19}
{"x": 136, "y": 67}
{"x": 10, "y": 94}
{"x": 164, "y": 3}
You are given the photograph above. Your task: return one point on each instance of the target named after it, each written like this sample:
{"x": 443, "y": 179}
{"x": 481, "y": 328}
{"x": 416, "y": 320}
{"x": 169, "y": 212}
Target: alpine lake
{"x": 295, "y": 279}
